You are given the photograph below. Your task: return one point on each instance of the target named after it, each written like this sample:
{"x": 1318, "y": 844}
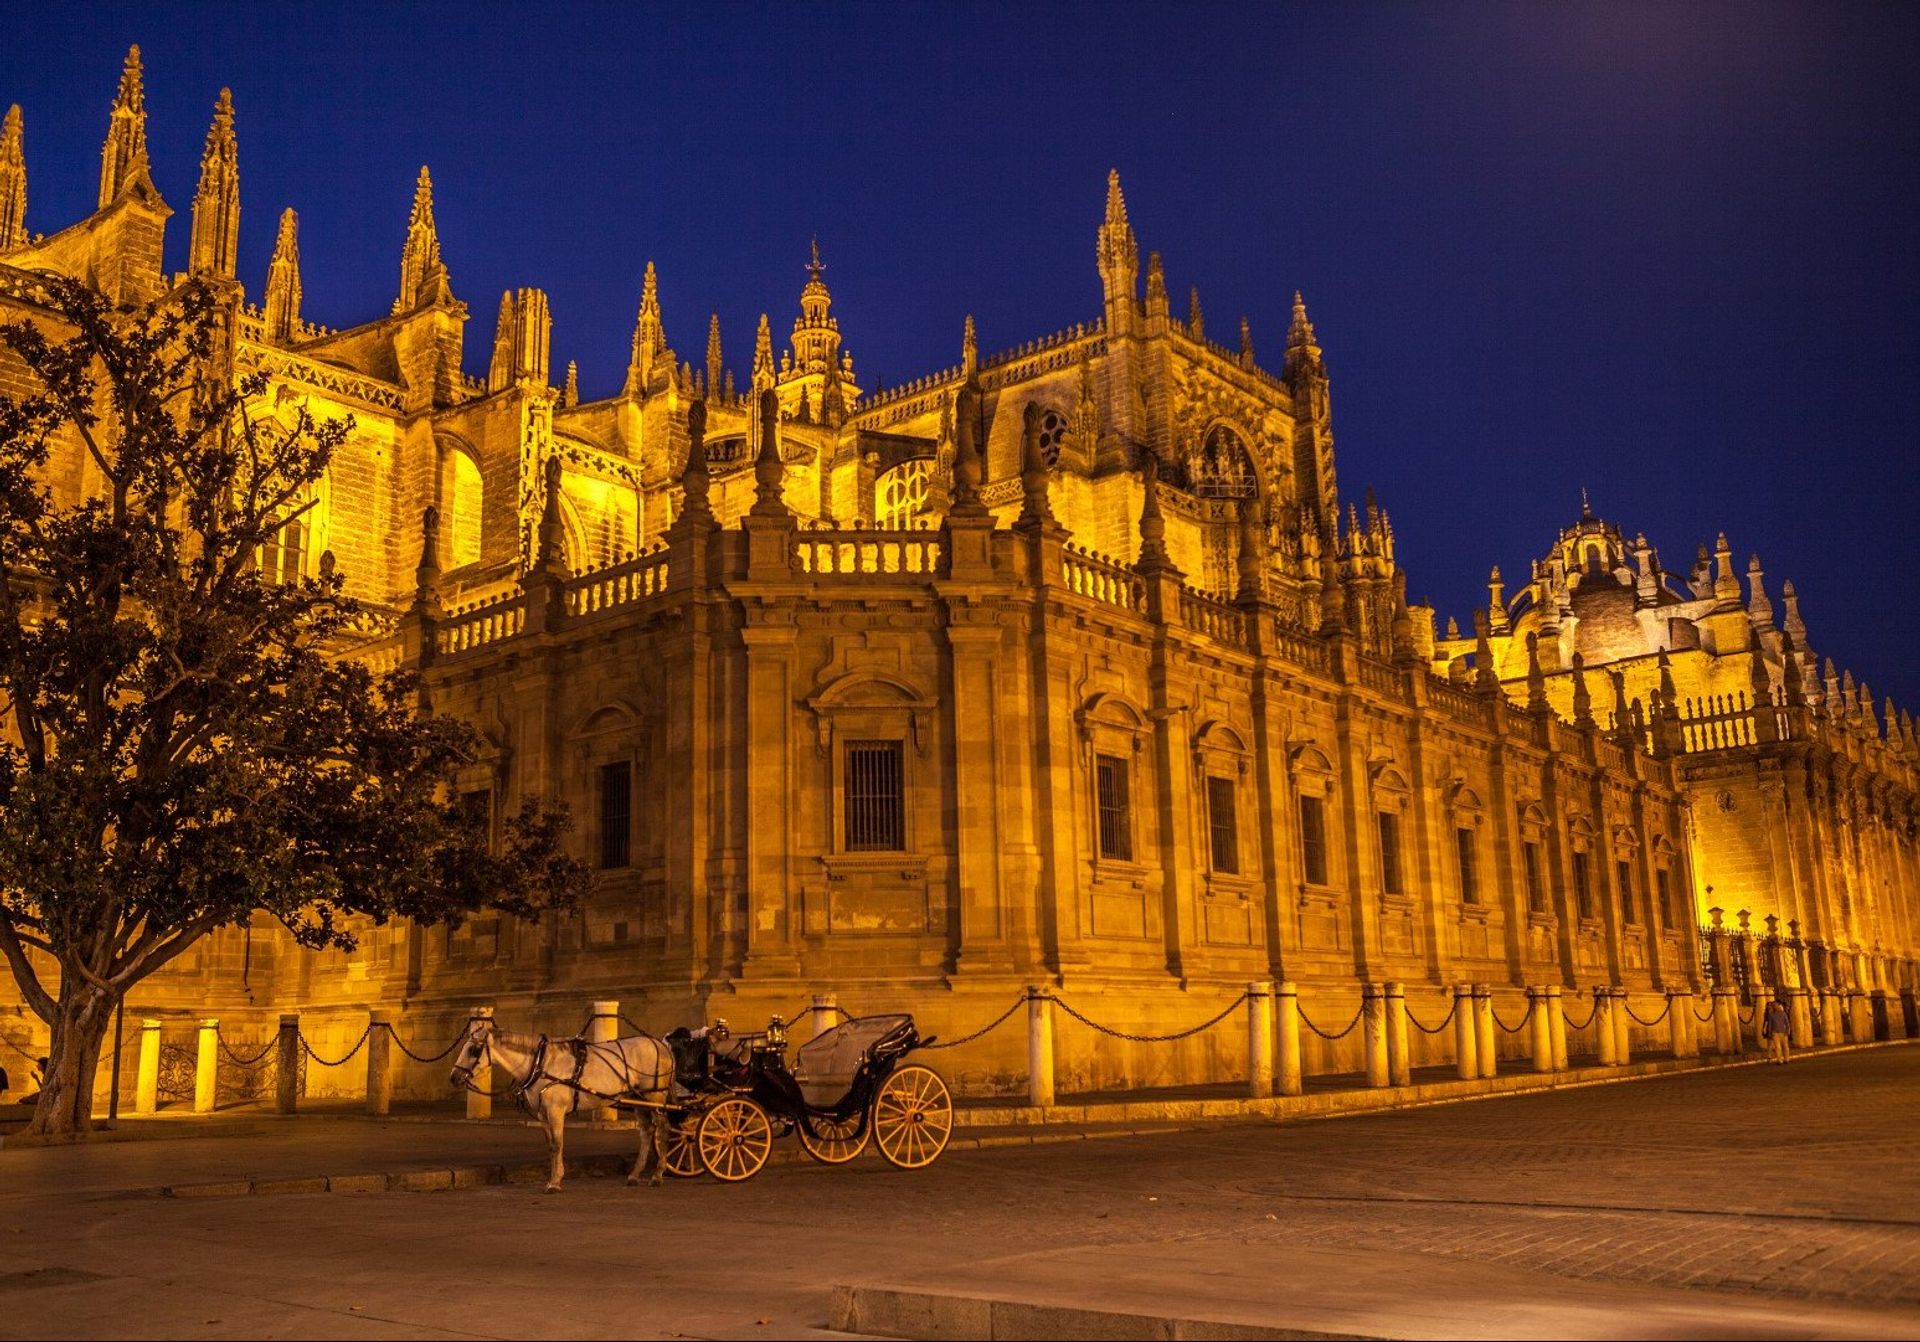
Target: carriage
{"x": 846, "y": 1087}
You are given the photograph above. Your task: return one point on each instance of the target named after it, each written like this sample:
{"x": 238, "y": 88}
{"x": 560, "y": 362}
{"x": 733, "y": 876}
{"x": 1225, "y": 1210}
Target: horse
{"x": 552, "y": 1077}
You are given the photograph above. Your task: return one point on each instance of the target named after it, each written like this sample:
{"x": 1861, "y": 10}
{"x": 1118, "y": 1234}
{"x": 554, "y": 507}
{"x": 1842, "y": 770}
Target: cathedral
{"x": 1065, "y": 665}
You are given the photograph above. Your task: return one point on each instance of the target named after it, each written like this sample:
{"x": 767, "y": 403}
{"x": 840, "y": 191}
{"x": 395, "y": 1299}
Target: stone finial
{"x": 1253, "y": 551}
{"x": 1669, "y": 693}
{"x": 1726, "y": 587}
{"x": 1303, "y": 348}
{"x": 649, "y": 336}
{"x": 694, "y": 478}
{"x": 769, "y": 472}
{"x": 1622, "y": 713}
{"x": 215, "y": 239}
{"x": 1196, "y": 319}
{"x": 553, "y": 551}
{"x": 1759, "y": 609}
{"x": 1153, "y": 526}
{"x": 123, "y": 159}
{"x": 1156, "y": 286}
{"x": 969, "y": 349}
{"x": 283, "y": 280}
{"x": 1401, "y": 629}
{"x": 1035, "y": 508}
{"x": 1485, "y": 675}
{"x": 570, "y": 394}
{"x": 966, "y": 455}
{"x": 1790, "y": 671}
{"x": 715, "y": 365}
{"x": 1333, "y": 593}
{"x": 1497, "y": 601}
{"x": 1794, "y": 624}
{"x": 1582, "y": 696}
{"x": 423, "y": 279}
{"x": 13, "y": 182}
{"x": 426, "y": 575}
{"x": 1536, "y": 679}
{"x": 763, "y": 368}
{"x": 1246, "y": 343}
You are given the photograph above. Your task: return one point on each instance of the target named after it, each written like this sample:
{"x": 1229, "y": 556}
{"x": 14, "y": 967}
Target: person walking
{"x": 1775, "y": 1026}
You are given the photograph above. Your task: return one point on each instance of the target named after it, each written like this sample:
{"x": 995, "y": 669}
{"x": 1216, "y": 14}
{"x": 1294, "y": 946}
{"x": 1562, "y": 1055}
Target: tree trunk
{"x": 65, "y": 1108}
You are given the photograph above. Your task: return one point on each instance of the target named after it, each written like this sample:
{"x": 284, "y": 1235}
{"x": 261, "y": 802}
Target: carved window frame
{"x": 1221, "y": 752}
{"x": 1111, "y": 725}
{"x": 1311, "y": 775}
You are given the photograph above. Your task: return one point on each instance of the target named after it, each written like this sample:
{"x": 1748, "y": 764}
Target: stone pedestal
{"x": 206, "y": 1067}
{"x": 1286, "y": 1019}
{"x": 1466, "y": 1034}
{"x": 146, "y": 1087}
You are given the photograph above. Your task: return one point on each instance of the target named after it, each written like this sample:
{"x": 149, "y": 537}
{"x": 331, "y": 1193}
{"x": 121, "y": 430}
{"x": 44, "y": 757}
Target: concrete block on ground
{"x": 357, "y": 1183}
{"x": 231, "y": 1188}
{"x": 421, "y": 1181}
{"x": 317, "y": 1184}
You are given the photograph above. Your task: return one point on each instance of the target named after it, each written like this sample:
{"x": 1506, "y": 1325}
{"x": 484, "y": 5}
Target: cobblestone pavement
{"x": 1792, "y": 1185}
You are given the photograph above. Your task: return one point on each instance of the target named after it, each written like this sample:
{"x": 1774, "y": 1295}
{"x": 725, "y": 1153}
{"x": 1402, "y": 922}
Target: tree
{"x": 185, "y": 746}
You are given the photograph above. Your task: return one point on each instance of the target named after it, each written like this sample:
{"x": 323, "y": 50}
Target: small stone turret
{"x": 215, "y": 241}
{"x": 283, "y": 281}
{"x": 13, "y": 182}
{"x": 123, "y": 159}
{"x": 1119, "y": 255}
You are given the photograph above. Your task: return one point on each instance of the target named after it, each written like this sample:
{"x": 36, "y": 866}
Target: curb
{"x": 884, "y": 1311}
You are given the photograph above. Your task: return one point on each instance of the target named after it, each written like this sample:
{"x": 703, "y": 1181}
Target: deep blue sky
{"x": 1669, "y": 252}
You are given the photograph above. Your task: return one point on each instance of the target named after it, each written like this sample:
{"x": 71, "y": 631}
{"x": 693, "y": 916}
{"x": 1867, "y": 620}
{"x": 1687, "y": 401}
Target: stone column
{"x": 1542, "y": 1028}
{"x": 286, "y": 1065}
{"x": 1486, "y": 1045}
{"x": 146, "y": 1088}
{"x": 1399, "y": 1059}
{"x": 1373, "y": 1012}
{"x": 1862, "y": 1017}
{"x": 1466, "y": 1034}
{"x": 1679, "y": 1008}
{"x": 1606, "y": 1043}
{"x": 604, "y": 1028}
{"x": 1726, "y": 1022}
{"x": 1557, "y": 1022}
{"x": 1622, "y": 1029}
{"x": 826, "y": 1013}
{"x": 480, "y": 1098}
{"x": 1801, "y": 1013}
{"x": 206, "y": 1067}
{"x": 1039, "y": 1048}
{"x": 379, "y": 1056}
{"x": 1259, "y": 1040}
{"x": 1830, "y": 1019}
{"x": 1286, "y": 1012}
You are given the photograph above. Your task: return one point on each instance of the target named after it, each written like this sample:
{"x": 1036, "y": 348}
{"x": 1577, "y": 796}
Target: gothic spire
{"x": 1196, "y": 319}
{"x": 649, "y": 335}
{"x": 422, "y": 276}
{"x": 969, "y": 349}
{"x": 216, "y": 205}
{"x": 570, "y": 394}
{"x": 1119, "y": 256}
{"x": 763, "y": 375}
{"x": 123, "y": 159}
{"x": 1303, "y": 349}
{"x": 1246, "y": 344}
{"x": 13, "y": 183}
{"x": 715, "y": 368}
{"x": 283, "y": 280}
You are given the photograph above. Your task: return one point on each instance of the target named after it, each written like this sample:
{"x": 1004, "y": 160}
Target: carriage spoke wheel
{"x": 680, "y": 1147}
{"x": 912, "y": 1117}
{"x": 734, "y": 1139}
{"x": 834, "y": 1141}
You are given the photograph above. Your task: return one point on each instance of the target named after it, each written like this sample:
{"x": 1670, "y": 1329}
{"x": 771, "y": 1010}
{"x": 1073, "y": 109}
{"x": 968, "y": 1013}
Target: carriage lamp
{"x": 776, "y": 1040}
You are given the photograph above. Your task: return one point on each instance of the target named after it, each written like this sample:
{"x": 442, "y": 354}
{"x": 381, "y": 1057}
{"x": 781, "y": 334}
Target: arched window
{"x": 1220, "y": 468}
{"x": 283, "y": 558}
{"x": 460, "y": 498}
{"x": 1053, "y": 432}
{"x": 900, "y": 496}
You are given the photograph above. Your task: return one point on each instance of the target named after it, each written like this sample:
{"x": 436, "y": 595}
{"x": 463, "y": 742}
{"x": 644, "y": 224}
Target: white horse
{"x": 553, "y": 1077}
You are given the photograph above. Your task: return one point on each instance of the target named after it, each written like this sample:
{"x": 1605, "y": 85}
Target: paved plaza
{"x": 1753, "y": 1201}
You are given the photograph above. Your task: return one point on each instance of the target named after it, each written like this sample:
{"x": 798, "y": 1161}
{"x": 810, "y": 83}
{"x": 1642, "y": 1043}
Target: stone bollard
{"x": 1286, "y": 1019}
{"x": 1604, "y": 1039}
{"x": 1466, "y": 1034}
{"x": 1622, "y": 1029}
{"x": 286, "y": 1065}
{"x": 1259, "y": 1040}
{"x": 206, "y": 1067}
{"x": 1373, "y": 1012}
{"x": 604, "y": 1028}
{"x": 1542, "y": 1027}
{"x": 1486, "y": 1045}
{"x": 1862, "y": 1018}
{"x": 1679, "y": 1008}
{"x": 1557, "y": 1023}
{"x": 1726, "y": 1022}
{"x": 379, "y": 1058}
{"x": 1039, "y": 1048}
{"x": 480, "y": 1098}
{"x": 1800, "y": 1012}
{"x": 826, "y": 1013}
{"x": 1399, "y": 1058}
{"x": 1830, "y": 1019}
{"x": 146, "y": 1086}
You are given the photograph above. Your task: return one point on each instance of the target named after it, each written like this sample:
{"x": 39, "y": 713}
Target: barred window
{"x": 1313, "y": 839}
{"x": 1536, "y": 886}
{"x": 616, "y": 815}
{"x": 875, "y": 798}
{"x": 1469, "y": 875}
{"x": 1116, "y": 823}
{"x": 1663, "y": 885}
{"x": 1583, "y": 884}
{"x": 1623, "y": 876}
{"x": 1223, "y": 825}
{"x": 283, "y": 558}
{"x": 1390, "y": 853}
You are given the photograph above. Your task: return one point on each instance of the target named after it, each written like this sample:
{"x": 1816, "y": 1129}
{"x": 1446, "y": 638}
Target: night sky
{"x": 1668, "y": 252}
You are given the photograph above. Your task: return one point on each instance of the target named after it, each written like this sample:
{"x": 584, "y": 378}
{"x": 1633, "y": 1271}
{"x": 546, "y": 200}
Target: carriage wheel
{"x": 912, "y": 1117}
{"x": 734, "y": 1139}
{"x": 680, "y": 1147}
{"x": 834, "y": 1142}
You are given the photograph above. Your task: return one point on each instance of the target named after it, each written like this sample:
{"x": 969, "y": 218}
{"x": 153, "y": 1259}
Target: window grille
{"x": 616, "y": 815}
{"x": 876, "y": 814}
{"x": 1390, "y": 853}
{"x": 1223, "y": 825}
{"x": 1313, "y": 839}
{"x": 1116, "y": 828}
{"x": 1583, "y": 884}
{"x": 1469, "y": 876}
{"x": 1536, "y": 887}
{"x": 1663, "y": 884}
{"x": 1623, "y": 876}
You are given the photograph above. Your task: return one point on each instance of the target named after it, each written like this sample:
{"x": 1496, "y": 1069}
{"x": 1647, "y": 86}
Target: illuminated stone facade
{"x": 1063, "y": 665}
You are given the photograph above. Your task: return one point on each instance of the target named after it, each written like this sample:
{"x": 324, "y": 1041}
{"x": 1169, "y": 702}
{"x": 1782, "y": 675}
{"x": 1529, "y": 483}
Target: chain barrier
{"x": 1746, "y": 1017}
{"x": 238, "y": 1061}
{"x": 441, "y": 1056}
{"x": 1521, "y": 1024}
{"x": 1665, "y": 1011}
{"x": 999, "y": 1020}
{"x": 1445, "y": 1021}
{"x": 1307, "y": 1021}
{"x": 1231, "y": 1007}
{"x": 1585, "y": 1023}
{"x": 21, "y": 1051}
{"x": 1704, "y": 1016}
{"x": 358, "y": 1045}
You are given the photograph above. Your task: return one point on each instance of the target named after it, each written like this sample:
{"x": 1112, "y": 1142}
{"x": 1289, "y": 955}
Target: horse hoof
{"x": 633, "y": 1181}
{"x": 553, "y": 1188}
{"x": 656, "y": 1181}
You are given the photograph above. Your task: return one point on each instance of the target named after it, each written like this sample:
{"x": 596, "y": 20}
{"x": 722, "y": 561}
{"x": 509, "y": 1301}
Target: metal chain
{"x": 401, "y": 1044}
{"x": 1704, "y": 1016}
{"x": 1436, "y": 1029}
{"x": 999, "y": 1020}
{"x": 1515, "y": 1029}
{"x": 1150, "y": 1038}
{"x": 1585, "y": 1023}
{"x": 358, "y": 1045}
{"x": 1746, "y": 1017}
{"x": 1664, "y": 1013}
{"x": 1307, "y": 1021}
{"x": 17, "y": 1049}
{"x": 239, "y": 1061}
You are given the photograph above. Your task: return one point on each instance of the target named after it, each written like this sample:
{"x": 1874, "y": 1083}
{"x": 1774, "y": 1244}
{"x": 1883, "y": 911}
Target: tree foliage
{"x": 184, "y": 745}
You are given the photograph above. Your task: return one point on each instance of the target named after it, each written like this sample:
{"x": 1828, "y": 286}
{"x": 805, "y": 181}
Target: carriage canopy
{"x": 826, "y": 1065}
